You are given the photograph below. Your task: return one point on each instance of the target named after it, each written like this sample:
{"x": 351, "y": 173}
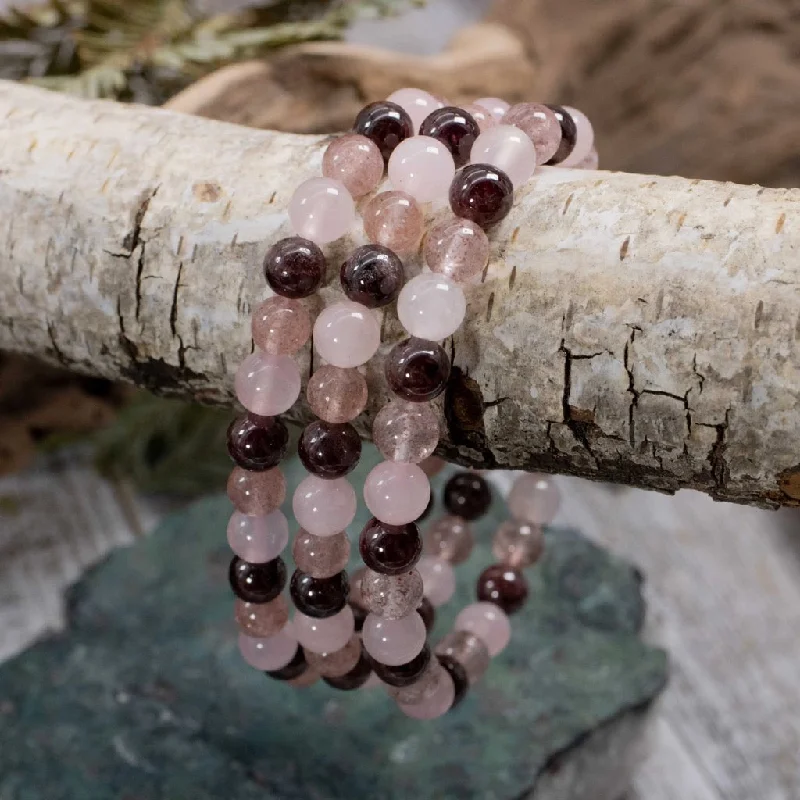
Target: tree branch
{"x": 633, "y": 329}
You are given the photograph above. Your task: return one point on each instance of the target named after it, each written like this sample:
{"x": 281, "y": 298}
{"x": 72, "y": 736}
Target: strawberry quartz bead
{"x": 518, "y": 544}
{"x": 294, "y": 267}
{"x": 457, "y": 249}
{"x": 280, "y": 327}
{"x": 454, "y": 128}
{"x": 336, "y": 394}
{"x": 417, "y": 370}
{"x": 386, "y": 123}
{"x": 449, "y": 538}
{"x": 355, "y": 161}
{"x": 257, "y": 443}
{"x": 338, "y": 662}
{"x": 482, "y": 193}
{"x": 321, "y": 556}
{"x": 394, "y": 220}
{"x": 481, "y": 115}
{"x": 534, "y": 498}
{"x": 569, "y": 135}
{"x": 256, "y": 493}
{"x": 435, "y": 706}
{"x": 391, "y": 596}
{"x": 262, "y": 619}
{"x": 541, "y": 125}
{"x": 488, "y": 622}
{"x": 405, "y": 431}
{"x": 372, "y": 276}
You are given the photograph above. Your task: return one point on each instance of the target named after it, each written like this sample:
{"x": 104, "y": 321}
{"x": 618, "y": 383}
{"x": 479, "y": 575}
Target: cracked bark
{"x": 633, "y": 329}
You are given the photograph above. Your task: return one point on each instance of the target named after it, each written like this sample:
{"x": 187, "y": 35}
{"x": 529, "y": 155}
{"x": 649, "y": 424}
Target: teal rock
{"x": 145, "y": 696}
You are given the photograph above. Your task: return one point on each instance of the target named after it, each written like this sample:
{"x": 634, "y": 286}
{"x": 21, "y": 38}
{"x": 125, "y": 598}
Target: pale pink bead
{"x": 267, "y": 385}
{"x": 541, "y": 125}
{"x": 422, "y": 167}
{"x": 592, "y": 161}
{"x": 347, "y": 334}
{"x": 417, "y": 103}
{"x": 437, "y": 705}
{"x": 584, "y": 140}
{"x": 338, "y": 662}
{"x": 457, "y": 249}
{"x": 256, "y": 493}
{"x": 258, "y": 539}
{"x": 281, "y": 326}
{"x": 494, "y": 105}
{"x": 405, "y": 431}
{"x": 509, "y": 149}
{"x": 488, "y": 622}
{"x": 449, "y": 538}
{"x": 394, "y": 641}
{"x": 431, "y": 306}
{"x": 481, "y": 115}
{"x": 262, "y": 619}
{"x": 518, "y": 544}
{"x": 534, "y": 498}
{"x": 336, "y": 394}
{"x": 396, "y": 492}
{"x": 391, "y": 596}
{"x": 321, "y": 209}
{"x": 438, "y": 579}
{"x": 394, "y": 219}
{"x": 324, "y": 507}
{"x": 325, "y": 635}
{"x": 271, "y": 653}
{"x": 355, "y": 161}
{"x": 321, "y": 556}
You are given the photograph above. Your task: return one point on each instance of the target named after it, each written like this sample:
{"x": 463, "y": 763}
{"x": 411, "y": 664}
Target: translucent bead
{"x": 584, "y": 138}
{"x": 508, "y": 149}
{"x": 294, "y": 267}
{"x": 405, "y": 431}
{"x": 437, "y": 705}
{"x": 373, "y": 276}
{"x": 394, "y": 641}
{"x": 459, "y": 677}
{"x": 488, "y": 622}
{"x": 518, "y": 544}
{"x": 385, "y": 123}
{"x": 405, "y": 674}
{"x": 258, "y": 539}
{"x": 454, "y": 128}
{"x": 592, "y": 161}
{"x": 324, "y": 507}
{"x": 467, "y": 495}
{"x": 388, "y": 549}
{"x": 280, "y": 327}
{"x": 569, "y": 134}
{"x": 482, "y": 193}
{"x": 257, "y": 443}
{"x": 324, "y": 635}
{"x": 347, "y": 334}
{"x": 394, "y": 220}
{"x": 267, "y": 385}
{"x": 262, "y": 619}
{"x": 321, "y": 556}
{"x": 417, "y": 103}
{"x": 504, "y": 586}
{"x": 494, "y": 105}
{"x": 391, "y": 596}
{"x": 355, "y": 161}
{"x": 257, "y": 583}
{"x": 329, "y": 450}
{"x": 319, "y": 597}
{"x": 449, "y": 538}
{"x": 481, "y": 115}
{"x": 426, "y": 685}
{"x": 256, "y": 493}
{"x": 541, "y": 125}
{"x": 417, "y": 370}
{"x": 438, "y": 579}
{"x": 356, "y": 579}
{"x": 337, "y": 395}
{"x": 338, "y": 662}
{"x": 397, "y": 493}
{"x": 422, "y": 167}
{"x": 431, "y": 306}
{"x": 534, "y": 498}
{"x": 469, "y": 650}
{"x": 322, "y": 210}
{"x": 457, "y": 249}
{"x": 270, "y": 653}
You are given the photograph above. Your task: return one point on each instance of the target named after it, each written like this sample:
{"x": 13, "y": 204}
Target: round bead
{"x": 386, "y": 124}
{"x": 433, "y": 465}
{"x": 324, "y": 507}
{"x": 355, "y": 161}
{"x": 257, "y": 443}
{"x": 422, "y": 167}
{"x": 324, "y": 635}
{"x": 459, "y": 677}
{"x": 508, "y": 149}
{"x": 256, "y": 493}
{"x": 416, "y": 102}
{"x": 518, "y": 544}
{"x": 394, "y": 641}
{"x": 467, "y": 495}
{"x": 346, "y": 334}
{"x": 321, "y": 556}
{"x": 449, "y": 538}
{"x": 435, "y": 706}
{"x": 481, "y": 115}
{"x": 457, "y": 249}
{"x": 396, "y": 492}
{"x": 296, "y": 672}
{"x": 417, "y": 370}
{"x": 257, "y": 583}
{"x": 438, "y": 579}
{"x": 584, "y": 138}
{"x": 468, "y": 650}
{"x": 294, "y": 267}
{"x": 488, "y": 622}
{"x": 262, "y": 619}
{"x": 569, "y": 135}
{"x": 308, "y": 677}
{"x": 355, "y": 679}
{"x": 258, "y": 539}
{"x": 428, "y": 509}
{"x": 319, "y": 597}
{"x": 270, "y": 653}
{"x": 456, "y": 129}
{"x": 280, "y": 327}
{"x": 405, "y": 674}
{"x": 496, "y": 106}
{"x": 322, "y": 210}
{"x": 329, "y": 450}
{"x": 372, "y": 276}
{"x": 388, "y": 549}
{"x": 394, "y": 220}
{"x": 540, "y": 124}
{"x": 482, "y": 193}
{"x": 338, "y": 662}
{"x": 405, "y": 431}
{"x": 267, "y": 385}
{"x": 592, "y": 161}
{"x": 337, "y": 395}
{"x": 431, "y": 306}
{"x": 504, "y": 586}
{"x": 391, "y": 596}
{"x": 534, "y": 498}
{"x": 428, "y": 613}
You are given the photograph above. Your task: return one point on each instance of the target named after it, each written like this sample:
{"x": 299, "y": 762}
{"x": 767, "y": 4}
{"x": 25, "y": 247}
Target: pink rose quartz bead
{"x": 405, "y": 431}
{"x": 391, "y": 596}
{"x": 540, "y": 124}
{"x": 397, "y": 493}
{"x": 322, "y": 210}
{"x": 449, "y": 538}
{"x": 280, "y": 326}
{"x": 394, "y": 641}
{"x": 488, "y": 622}
{"x": 534, "y": 498}
{"x": 518, "y": 544}
{"x": 431, "y": 306}
{"x": 337, "y": 395}
{"x": 256, "y": 493}
{"x": 355, "y": 161}
{"x": 262, "y": 619}
{"x": 457, "y": 249}
{"x": 347, "y": 334}
{"x": 437, "y": 705}
{"x": 509, "y": 149}
{"x": 394, "y": 219}
{"x": 417, "y": 103}
{"x": 438, "y": 579}
{"x": 269, "y": 653}
{"x": 336, "y": 663}
{"x": 422, "y": 167}
{"x": 267, "y": 385}
{"x": 324, "y": 507}
{"x": 258, "y": 539}
{"x": 325, "y": 635}
{"x": 592, "y": 161}
{"x": 584, "y": 139}
{"x": 321, "y": 556}
{"x": 494, "y": 105}
{"x": 481, "y": 115}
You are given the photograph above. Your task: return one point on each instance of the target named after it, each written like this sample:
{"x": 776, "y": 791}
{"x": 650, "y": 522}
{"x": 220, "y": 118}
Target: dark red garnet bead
{"x": 294, "y": 267}
{"x": 455, "y": 129}
{"x": 328, "y": 449}
{"x": 504, "y": 586}
{"x": 386, "y": 123}
{"x": 481, "y": 193}
{"x": 373, "y": 276}
{"x": 354, "y": 679}
{"x": 467, "y": 495}
{"x": 417, "y": 369}
{"x": 257, "y": 583}
{"x": 569, "y": 134}
{"x": 319, "y": 597}
{"x": 257, "y": 443}
{"x": 390, "y": 549}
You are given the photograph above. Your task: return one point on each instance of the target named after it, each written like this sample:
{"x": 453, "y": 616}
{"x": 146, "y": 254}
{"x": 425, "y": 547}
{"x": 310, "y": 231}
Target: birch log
{"x": 628, "y": 328}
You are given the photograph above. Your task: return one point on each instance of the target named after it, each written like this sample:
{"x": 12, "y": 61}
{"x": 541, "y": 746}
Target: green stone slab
{"x": 146, "y": 698}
